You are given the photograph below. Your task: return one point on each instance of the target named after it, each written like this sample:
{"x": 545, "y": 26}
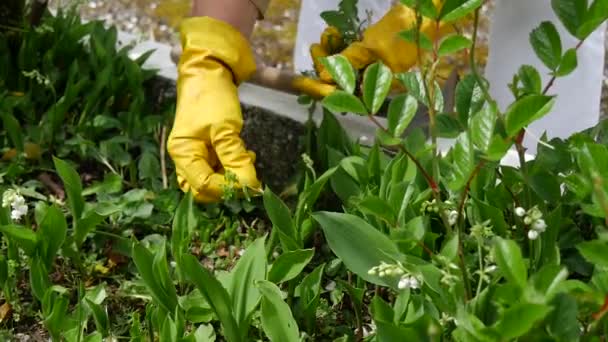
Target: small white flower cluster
{"x": 447, "y": 210}
{"x": 13, "y": 199}
{"x": 406, "y": 281}
{"x": 534, "y": 219}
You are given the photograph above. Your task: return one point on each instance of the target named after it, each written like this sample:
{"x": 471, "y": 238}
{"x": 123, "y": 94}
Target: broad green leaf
{"x": 309, "y": 291}
{"x": 22, "y": 236}
{"x": 184, "y": 223}
{"x": 463, "y": 162}
{"x": 519, "y": 319}
{"x": 401, "y": 112}
{"x": 12, "y": 128}
{"x": 277, "y": 320}
{"x": 289, "y": 265}
{"x": 378, "y": 207}
{"x": 455, "y": 9}
{"x": 52, "y": 233}
{"x": 510, "y": 261}
{"x": 530, "y": 79}
{"x": 168, "y": 331}
{"x": 568, "y": 64}
{"x": 39, "y": 278}
{"x": 498, "y": 148}
{"x": 571, "y": 13}
{"x": 358, "y": 244}
{"x": 495, "y": 215}
{"x": 73, "y": 187}
{"x": 469, "y": 98}
{"x": 144, "y": 261}
{"x": 215, "y": 294}
{"x": 547, "y": 44}
{"x": 204, "y": 333}
{"x": 546, "y": 185}
{"x": 427, "y": 8}
{"x": 148, "y": 166}
{"x": 85, "y": 226}
{"x": 377, "y": 82}
{"x": 595, "y": 16}
{"x": 563, "y": 324}
{"x": 447, "y": 126}
{"x": 250, "y": 268}
{"x": 525, "y": 111}
{"x": 281, "y": 219}
{"x": 341, "y": 71}
{"x": 410, "y": 36}
{"x": 160, "y": 267}
{"x": 342, "y": 102}
{"x": 482, "y": 127}
{"x": 452, "y": 44}
{"x": 100, "y": 315}
{"x": 594, "y": 252}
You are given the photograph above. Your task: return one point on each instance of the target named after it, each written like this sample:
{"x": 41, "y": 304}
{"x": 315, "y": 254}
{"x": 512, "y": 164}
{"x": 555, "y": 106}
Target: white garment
{"x": 310, "y": 25}
{"x": 578, "y": 95}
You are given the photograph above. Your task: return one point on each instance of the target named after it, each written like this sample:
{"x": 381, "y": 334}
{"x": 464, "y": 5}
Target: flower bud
{"x": 519, "y": 211}
{"x": 533, "y": 234}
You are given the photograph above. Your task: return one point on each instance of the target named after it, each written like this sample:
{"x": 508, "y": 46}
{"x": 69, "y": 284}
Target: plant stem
{"x": 163, "y": 162}
{"x": 473, "y": 64}
{"x": 430, "y": 180}
{"x": 481, "y": 269}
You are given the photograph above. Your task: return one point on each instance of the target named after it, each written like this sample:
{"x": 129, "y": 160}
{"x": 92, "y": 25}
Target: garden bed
{"x": 371, "y": 229}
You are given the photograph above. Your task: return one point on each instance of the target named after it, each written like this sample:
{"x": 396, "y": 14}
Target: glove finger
{"x": 232, "y": 154}
{"x": 312, "y": 87}
{"x": 317, "y": 51}
{"x": 331, "y": 40}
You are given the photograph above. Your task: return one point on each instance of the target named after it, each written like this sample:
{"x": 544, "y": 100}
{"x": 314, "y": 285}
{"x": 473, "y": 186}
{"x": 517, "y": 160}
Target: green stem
{"x": 481, "y": 268}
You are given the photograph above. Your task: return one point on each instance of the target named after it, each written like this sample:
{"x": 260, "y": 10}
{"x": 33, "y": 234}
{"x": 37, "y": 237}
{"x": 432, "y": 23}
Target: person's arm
{"x": 205, "y": 141}
{"x": 241, "y": 14}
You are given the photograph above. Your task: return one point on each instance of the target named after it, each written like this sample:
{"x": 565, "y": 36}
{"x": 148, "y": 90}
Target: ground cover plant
{"x": 99, "y": 244}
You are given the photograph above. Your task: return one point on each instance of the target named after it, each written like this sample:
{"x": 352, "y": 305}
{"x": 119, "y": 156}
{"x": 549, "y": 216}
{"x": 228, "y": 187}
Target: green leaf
{"x": 289, "y": 265}
{"x": 378, "y": 207}
{"x": 309, "y": 291}
{"x": 215, "y": 294}
{"x": 250, "y": 268}
{"x": 563, "y": 324}
{"x": 594, "y": 252}
{"x": 12, "y": 128}
{"x": 401, "y": 112}
{"x": 148, "y": 166}
{"x": 22, "y": 236}
{"x": 462, "y": 162}
{"x": 73, "y": 186}
{"x": 595, "y": 16}
{"x": 571, "y": 13}
{"x": 413, "y": 82}
{"x": 568, "y": 64}
{"x": 520, "y": 318}
{"x": 546, "y": 186}
{"x": 377, "y": 82}
{"x": 482, "y": 127}
{"x": 341, "y": 71}
{"x": 204, "y": 333}
{"x": 530, "y": 79}
{"x": 427, "y": 8}
{"x": 447, "y": 126}
{"x": 547, "y": 44}
{"x": 510, "y": 261}
{"x": 410, "y": 36}
{"x": 525, "y": 111}
{"x": 148, "y": 266}
{"x": 342, "y": 102}
{"x": 455, "y": 9}
{"x": 358, "y": 244}
{"x": 52, "y": 233}
{"x": 281, "y": 219}
{"x": 277, "y": 320}
{"x": 39, "y": 278}
{"x": 184, "y": 224}
{"x": 498, "y": 148}
{"x": 469, "y": 98}
{"x": 452, "y": 44}
{"x": 100, "y": 315}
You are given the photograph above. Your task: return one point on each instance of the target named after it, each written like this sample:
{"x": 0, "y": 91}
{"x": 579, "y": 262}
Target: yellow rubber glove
{"x": 381, "y": 41}
{"x": 205, "y": 140}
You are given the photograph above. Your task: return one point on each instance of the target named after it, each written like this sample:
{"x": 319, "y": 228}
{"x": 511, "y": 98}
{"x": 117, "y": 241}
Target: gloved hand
{"x": 205, "y": 140}
{"x": 381, "y": 41}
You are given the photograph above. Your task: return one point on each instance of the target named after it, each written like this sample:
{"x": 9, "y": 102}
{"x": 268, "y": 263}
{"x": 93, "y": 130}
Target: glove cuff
{"x": 218, "y": 40}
